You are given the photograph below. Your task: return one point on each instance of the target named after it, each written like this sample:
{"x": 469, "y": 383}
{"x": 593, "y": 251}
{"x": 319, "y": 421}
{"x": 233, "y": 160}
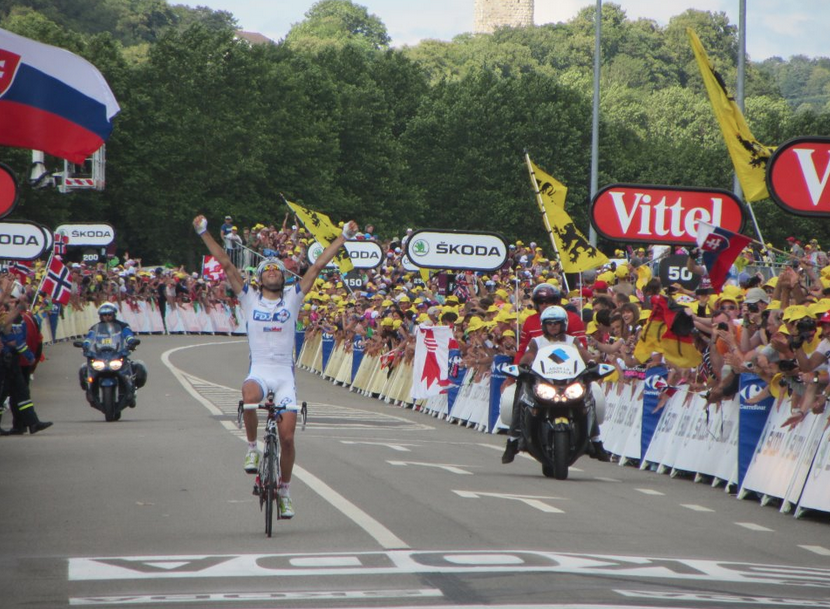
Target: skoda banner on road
{"x": 89, "y": 235}
{"x": 473, "y": 251}
{"x": 364, "y": 254}
{"x": 22, "y": 241}
{"x": 662, "y": 214}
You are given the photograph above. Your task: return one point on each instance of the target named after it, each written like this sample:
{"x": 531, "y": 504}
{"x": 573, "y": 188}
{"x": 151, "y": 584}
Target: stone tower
{"x": 490, "y": 14}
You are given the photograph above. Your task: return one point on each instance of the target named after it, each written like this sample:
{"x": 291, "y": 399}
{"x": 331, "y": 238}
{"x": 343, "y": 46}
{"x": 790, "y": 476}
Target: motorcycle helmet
{"x": 268, "y": 262}
{"x": 107, "y": 309}
{"x": 546, "y": 293}
{"x": 556, "y": 314}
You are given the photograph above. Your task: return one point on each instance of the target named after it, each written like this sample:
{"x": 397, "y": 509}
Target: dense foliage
{"x": 429, "y": 136}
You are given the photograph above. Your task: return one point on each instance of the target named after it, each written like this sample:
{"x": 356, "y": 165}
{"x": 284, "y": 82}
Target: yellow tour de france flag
{"x": 749, "y": 157}
{"x": 324, "y": 230}
{"x": 550, "y": 189}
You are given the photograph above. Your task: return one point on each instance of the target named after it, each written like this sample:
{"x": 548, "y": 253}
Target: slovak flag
{"x": 430, "y": 367}
{"x": 720, "y": 248}
{"x": 57, "y": 283}
{"x": 52, "y": 100}
{"x": 211, "y": 269}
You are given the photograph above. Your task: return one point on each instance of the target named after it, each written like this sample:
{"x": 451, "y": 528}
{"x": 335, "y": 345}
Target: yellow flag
{"x": 749, "y": 157}
{"x": 575, "y": 251}
{"x": 324, "y": 230}
{"x": 551, "y": 190}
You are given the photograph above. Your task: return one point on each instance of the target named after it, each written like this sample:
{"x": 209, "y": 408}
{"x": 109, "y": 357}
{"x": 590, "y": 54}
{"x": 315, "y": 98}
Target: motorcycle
{"x": 109, "y": 377}
{"x": 559, "y": 404}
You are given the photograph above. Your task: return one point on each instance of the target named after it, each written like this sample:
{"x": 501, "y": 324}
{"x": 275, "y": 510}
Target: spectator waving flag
{"x": 57, "y": 283}
{"x": 430, "y": 368}
{"x": 22, "y": 269}
{"x": 52, "y": 100}
{"x": 720, "y": 248}
{"x": 211, "y": 269}
{"x": 324, "y": 230}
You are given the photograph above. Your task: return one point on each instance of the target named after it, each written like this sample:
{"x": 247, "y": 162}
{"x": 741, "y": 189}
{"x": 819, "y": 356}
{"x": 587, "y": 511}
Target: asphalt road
{"x": 394, "y": 509}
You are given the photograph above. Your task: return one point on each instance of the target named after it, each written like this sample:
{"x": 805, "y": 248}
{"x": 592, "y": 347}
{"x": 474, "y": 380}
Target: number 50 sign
{"x": 673, "y": 270}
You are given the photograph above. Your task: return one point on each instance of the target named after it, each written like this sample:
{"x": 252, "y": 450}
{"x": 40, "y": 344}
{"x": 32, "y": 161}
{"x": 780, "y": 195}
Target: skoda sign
{"x": 22, "y": 241}
{"x": 90, "y": 235}
{"x": 457, "y": 250}
{"x": 364, "y": 254}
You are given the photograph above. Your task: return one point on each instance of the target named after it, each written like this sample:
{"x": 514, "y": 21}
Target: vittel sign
{"x": 91, "y": 235}
{"x": 21, "y": 241}
{"x": 363, "y": 254}
{"x": 798, "y": 176}
{"x": 662, "y": 214}
{"x": 457, "y": 250}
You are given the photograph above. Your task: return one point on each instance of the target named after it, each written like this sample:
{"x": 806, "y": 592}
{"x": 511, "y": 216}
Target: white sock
{"x": 251, "y": 445}
{"x": 283, "y": 489}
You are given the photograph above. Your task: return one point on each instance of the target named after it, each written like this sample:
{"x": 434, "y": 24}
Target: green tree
{"x": 338, "y": 22}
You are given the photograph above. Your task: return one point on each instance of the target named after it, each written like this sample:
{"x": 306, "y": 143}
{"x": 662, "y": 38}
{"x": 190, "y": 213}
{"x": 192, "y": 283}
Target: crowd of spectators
{"x": 769, "y": 318}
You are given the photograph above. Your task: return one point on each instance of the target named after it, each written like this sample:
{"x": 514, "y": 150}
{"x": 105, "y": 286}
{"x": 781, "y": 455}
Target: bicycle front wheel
{"x": 269, "y": 483}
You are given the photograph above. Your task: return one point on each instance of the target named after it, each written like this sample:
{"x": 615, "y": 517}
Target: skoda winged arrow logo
{"x": 420, "y": 248}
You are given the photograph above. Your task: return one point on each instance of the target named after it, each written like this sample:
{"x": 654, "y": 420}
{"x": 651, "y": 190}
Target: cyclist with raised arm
{"x": 270, "y": 315}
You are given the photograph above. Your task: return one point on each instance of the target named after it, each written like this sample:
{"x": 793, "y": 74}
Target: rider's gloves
{"x": 200, "y": 227}
{"x": 348, "y": 232}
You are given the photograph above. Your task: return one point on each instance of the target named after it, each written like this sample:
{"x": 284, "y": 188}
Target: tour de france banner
{"x": 328, "y": 347}
{"x": 752, "y": 421}
{"x": 654, "y": 385}
{"x": 497, "y": 377}
{"x": 456, "y": 375}
{"x": 358, "y": 349}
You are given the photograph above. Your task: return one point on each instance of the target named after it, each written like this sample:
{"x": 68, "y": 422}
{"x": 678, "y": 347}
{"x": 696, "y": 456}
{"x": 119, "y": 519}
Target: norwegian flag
{"x": 57, "y": 283}
{"x": 211, "y": 269}
{"x": 61, "y": 241}
{"x": 22, "y": 269}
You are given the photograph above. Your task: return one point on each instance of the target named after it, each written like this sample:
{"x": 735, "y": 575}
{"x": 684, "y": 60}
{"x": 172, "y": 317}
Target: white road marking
{"x": 720, "y": 598}
{"x": 695, "y": 508}
{"x": 650, "y": 491}
{"x": 237, "y": 597}
{"x": 531, "y": 500}
{"x": 601, "y": 479}
{"x": 754, "y": 527}
{"x": 447, "y": 563}
{"x": 398, "y": 447}
{"x": 380, "y": 533}
{"x": 453, "y": 469}
{"x": 821, "y": 551}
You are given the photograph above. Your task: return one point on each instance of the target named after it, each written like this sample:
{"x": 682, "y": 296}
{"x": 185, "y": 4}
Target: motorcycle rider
{"x": 107, "y": 315}
{"x": 554, "y": 322}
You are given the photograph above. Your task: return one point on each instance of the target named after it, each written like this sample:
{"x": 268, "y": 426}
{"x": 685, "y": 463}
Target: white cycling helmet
{"x": 557, "y": 314}
{"x": 266, "y": 262}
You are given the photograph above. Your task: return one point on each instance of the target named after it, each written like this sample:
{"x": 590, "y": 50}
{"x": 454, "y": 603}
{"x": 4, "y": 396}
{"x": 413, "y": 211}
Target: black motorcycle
{"x": 558, "y": 403}
{"x": 109, "y": 377}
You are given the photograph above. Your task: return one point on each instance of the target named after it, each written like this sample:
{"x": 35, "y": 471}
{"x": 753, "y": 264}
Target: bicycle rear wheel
{"x": 268, "y": 488}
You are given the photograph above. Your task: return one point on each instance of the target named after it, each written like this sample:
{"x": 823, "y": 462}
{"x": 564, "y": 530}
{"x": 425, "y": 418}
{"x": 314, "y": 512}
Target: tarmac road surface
{"x": 394, "y": 509}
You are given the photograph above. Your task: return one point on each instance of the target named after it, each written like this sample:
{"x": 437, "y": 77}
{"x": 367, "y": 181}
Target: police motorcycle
{"x": 559, "y": 403}
{"x": 109, "y": 378}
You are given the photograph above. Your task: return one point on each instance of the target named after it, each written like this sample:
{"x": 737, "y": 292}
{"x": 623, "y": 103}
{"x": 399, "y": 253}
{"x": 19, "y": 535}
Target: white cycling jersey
{"x": 270, "y": 325}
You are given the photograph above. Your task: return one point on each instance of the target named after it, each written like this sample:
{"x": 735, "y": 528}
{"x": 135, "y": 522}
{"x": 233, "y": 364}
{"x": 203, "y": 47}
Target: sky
{"x": 780, "y": 28}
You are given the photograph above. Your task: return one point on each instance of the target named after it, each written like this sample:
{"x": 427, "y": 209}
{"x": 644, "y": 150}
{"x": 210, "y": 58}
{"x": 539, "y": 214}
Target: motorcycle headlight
{"x": 544, "y": 391}
{"x": 575, "y": 391}
{"x": 98, "y": 364}
{"x": 116, "y": 364}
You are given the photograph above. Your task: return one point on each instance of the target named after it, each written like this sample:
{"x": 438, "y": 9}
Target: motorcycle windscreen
{"x": 107, "y": 337}
{"x": 558, "y": 362}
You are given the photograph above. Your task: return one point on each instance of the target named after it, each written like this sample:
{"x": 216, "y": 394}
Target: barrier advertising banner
{"x": 328, "y": 346}
{"x": 753, "y": 420}
{"x": 655, "y": 383}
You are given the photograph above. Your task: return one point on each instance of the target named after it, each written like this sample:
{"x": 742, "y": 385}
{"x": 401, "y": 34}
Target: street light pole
{"x": 592, "y": 234}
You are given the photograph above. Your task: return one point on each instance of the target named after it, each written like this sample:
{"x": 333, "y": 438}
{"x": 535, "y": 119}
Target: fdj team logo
{"x": 280, "y": 316}
{"x": 420, "y": 248}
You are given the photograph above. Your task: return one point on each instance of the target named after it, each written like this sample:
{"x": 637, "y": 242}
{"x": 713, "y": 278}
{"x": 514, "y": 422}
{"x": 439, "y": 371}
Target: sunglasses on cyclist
{"x": 271, "y": 267}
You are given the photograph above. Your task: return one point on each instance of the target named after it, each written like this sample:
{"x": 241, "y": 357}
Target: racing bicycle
{"x": 267, "y": 481}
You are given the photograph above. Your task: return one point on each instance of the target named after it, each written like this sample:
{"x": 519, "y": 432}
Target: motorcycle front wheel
{"x": 556, "y": 448}
{"x": 108, "y": 401}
